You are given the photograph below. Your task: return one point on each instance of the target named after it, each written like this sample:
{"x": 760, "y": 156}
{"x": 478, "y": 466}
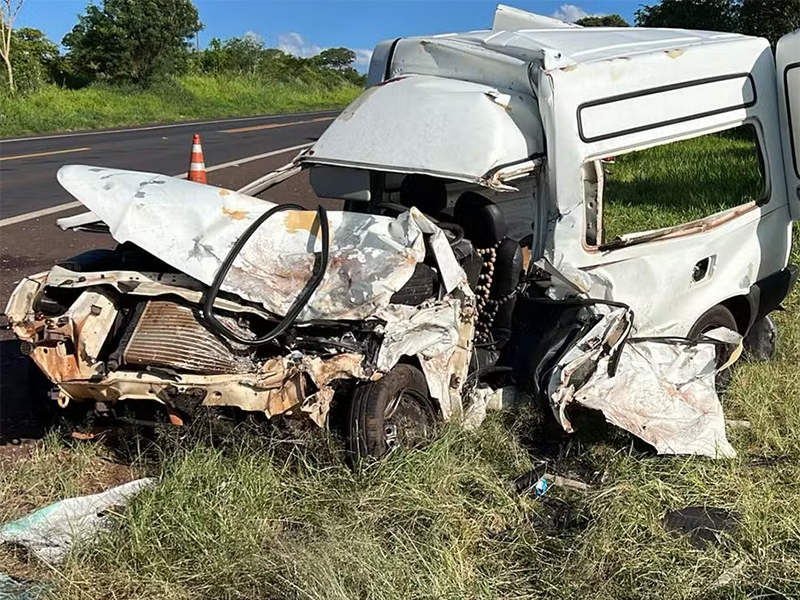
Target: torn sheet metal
{"x": 51, "y": 531}
{"x": 67, "y": 347}
{"x": 280, "y": 386}
{"x": 566, "y": 281}
{"x": 661, "y": 391}
{"x": 508, "y": 18}
{"x": 378, "y": 131}
{"x": 273, "y": 178}
{"x": 432, "y": 335}
{"x": 78, "y": 222}
{"x": 323, "y": 372}
{"x": 193, "y": 227}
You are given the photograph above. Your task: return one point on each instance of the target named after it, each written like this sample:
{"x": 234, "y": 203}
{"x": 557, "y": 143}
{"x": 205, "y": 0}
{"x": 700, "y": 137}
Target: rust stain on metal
{"x": 236, "y": 215}
{"x": 296, "y": 220}
{"x": 273, "y": 374}
{"x": 56, "y": 363}
{"x": 341, "y": 366}
{"x": 287, "y": 397}
{"x": 317, "y": 406}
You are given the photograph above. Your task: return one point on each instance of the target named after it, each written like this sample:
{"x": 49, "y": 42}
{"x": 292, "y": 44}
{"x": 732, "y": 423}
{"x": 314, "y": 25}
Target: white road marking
{"x": 154, "y": 127}
{"x": 40, "y": 154}
{"x": 70, "y": 205}
{"x": 39, "y": 213}
{"x": 275, "y": 125}
{"x": 247, "y": 159}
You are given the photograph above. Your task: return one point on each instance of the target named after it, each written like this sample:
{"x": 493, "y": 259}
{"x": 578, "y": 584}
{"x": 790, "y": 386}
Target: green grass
{"x": 681, "y": 182}
{"x": 254, "y": 517}
{"x": 52, "y": 108}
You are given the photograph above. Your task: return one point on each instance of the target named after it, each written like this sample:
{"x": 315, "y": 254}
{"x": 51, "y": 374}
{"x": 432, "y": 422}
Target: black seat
{"x": 485, "y": 225}
{"x": 428, "y": 194}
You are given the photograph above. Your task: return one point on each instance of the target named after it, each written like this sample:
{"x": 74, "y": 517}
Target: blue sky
{"x": 305, "y": 27}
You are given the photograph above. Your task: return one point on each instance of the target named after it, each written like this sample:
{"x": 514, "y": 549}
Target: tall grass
{"x": 52, "y": 108}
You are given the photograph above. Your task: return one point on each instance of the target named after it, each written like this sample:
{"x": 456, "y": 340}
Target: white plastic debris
{"x": 51, "y": 531}
{"x": 484, "y": 398}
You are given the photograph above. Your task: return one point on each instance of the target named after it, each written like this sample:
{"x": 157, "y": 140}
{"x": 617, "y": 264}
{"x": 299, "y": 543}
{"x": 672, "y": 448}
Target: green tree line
{"x": 761, "y": 18}
{"x": 142, "y": 42}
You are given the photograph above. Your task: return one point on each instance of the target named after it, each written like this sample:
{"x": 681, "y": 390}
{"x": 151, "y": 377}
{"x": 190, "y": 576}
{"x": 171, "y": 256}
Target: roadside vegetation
{"x": 703, "y": 176}
{"x": 256, "y": 515}
{"x": 110, "y": 74}
{"x": 53, "y": 108}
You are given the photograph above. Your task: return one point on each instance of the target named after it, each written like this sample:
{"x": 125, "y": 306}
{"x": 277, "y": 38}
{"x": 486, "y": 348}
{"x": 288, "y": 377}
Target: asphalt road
{"x": 31, "y": 200}
{"x": 28, "y": 165}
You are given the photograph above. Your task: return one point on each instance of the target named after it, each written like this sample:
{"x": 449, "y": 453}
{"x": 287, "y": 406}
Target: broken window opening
{"x": 517, "y": 206}
{"x": 673, "y": 185}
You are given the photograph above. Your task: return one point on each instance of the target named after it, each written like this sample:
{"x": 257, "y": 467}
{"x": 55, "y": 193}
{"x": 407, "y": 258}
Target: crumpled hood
{"x": 192, "y": 227}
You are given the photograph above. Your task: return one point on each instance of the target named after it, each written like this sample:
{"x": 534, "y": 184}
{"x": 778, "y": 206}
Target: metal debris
{"x": 661, "y": 391}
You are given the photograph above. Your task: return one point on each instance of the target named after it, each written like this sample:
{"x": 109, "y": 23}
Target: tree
{"x": 770, "y": 19}
{"x": 34, "y": 58}
{"x": 712, "y": 15}
{"x": 339, "y": 59}
{"x": 602, "y": 21}
{"x": 9, "y": 9}
{"x": 764, "y": 18}
{"x": 133, "y": 40}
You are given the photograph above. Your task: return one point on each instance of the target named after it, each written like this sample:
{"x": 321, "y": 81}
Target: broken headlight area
{"x": 111, "y": 346}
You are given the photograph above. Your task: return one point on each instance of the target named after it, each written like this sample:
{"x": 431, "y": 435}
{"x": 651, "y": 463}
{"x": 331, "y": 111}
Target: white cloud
{"x": 363, "y": 56}
{"x": 569, "y": 13}
{"x": 296, "y": 44}
{"x": 254, "y": 36}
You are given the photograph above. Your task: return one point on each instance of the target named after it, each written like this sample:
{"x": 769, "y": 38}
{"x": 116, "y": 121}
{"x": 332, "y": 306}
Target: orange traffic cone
{"x": 197, "y": 168}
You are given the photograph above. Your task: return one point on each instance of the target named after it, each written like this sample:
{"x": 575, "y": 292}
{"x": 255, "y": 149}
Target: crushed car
{"x": 468, "y": 267}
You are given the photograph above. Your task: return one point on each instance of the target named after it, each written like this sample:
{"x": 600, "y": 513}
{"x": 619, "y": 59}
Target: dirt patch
{"x": 11, "y": 453}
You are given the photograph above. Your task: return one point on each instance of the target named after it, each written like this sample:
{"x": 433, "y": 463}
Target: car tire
{"x": 719, "y": 316}
{"x": 395, "y": 411}
{"x": 761, "y": 342}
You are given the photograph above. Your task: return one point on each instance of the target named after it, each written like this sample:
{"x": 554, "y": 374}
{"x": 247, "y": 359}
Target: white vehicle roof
{"x": 439, "y": 126}
{"x": 574, "y": 45}
{"x": 463, "y": 105}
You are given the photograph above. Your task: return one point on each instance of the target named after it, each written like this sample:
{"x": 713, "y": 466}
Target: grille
{"x": 170, "y": 335}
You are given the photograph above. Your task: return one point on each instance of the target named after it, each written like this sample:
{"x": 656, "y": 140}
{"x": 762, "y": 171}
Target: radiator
{"x": 166, "y": 334}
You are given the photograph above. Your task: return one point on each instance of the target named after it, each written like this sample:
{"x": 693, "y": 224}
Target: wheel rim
{"x": 408, "y": 420}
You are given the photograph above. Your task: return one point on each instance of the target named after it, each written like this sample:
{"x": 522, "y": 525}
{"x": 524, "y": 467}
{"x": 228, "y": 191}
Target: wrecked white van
{"x": 478, "y": 243}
